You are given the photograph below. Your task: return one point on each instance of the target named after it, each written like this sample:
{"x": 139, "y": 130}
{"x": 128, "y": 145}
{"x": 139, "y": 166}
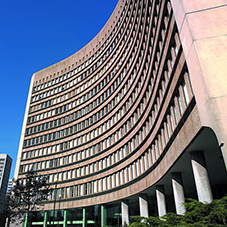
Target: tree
{"x": 26, "y": 196}
{"x": 144, "y": 222}
{"x": 210, "y": 214}
{"x": 197, "y": 214}
{"x": 11, "y": 209}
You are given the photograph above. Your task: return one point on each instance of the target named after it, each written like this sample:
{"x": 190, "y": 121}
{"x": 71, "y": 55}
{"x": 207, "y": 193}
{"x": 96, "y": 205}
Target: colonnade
{"x": 203, "y": 189}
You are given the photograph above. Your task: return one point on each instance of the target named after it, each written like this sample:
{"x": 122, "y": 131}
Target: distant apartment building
{"x": 9, "y": 187}
{"x": 5, "y": 167}
{"x": 135, "y": 121}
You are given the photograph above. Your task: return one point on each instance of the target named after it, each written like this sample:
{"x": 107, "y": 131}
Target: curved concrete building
{"x": 134, "y": 122}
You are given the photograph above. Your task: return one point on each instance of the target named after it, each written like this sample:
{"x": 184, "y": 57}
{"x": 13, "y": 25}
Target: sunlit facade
{"x": 132, "y": 124}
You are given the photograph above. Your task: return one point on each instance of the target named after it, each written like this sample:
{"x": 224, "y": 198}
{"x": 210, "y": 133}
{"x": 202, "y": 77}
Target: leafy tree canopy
{"x": 27, "y": 195}
{"x": 197, "y": 214}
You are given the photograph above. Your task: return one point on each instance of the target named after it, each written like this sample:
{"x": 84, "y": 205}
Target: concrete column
{"x": 103, "y": 216}
{"x": 143, "y": 206}
{"x": 84, "y": 218}
{"x": 65, "y": 218}
{"x": 45, "y": 219}
{"x": 25, "y": 224}
{"x": 124, "y": 213}
{"x": 160, "y": 194}
{"x": 178, "y": 192}
{"x": 201, "y": 177}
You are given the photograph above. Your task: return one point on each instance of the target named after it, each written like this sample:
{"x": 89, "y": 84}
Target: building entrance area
{"x": 98, "y": 215}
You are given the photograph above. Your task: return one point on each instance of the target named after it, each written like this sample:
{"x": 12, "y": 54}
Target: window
{"x": 85, "y": 189}
{"x": 175, "y": 113}
{"x": 72, "y": 192}
{"x": 67, "y": 192}
{"x": 185, "y": 91}
{"x": 62, "y": 193}
{"x": 180, "y": 104}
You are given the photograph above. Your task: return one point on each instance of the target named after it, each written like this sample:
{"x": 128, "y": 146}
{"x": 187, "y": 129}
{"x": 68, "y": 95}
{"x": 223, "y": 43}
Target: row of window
{"x": 47, "y": 125}
{"x": 114, "y": 180}
{"x": 66, "y": 146}
{"x": 180, "y": 102}
{"x": 98, "y": 131}
{"x": 102, "y": 128}
{"x": 80, "y": 113}
{"x": 79, "y": 101}
{"x": 83, "y": 124}
{"x": 84, "y": 98}
{"x": 125, "y": 175}
{"x": 88, "y": 62}
{"x": 85, "y": 86}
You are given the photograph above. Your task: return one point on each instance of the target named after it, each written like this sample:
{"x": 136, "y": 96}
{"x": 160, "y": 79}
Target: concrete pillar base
{"x": 201, "y": 177}
{"x": 178, "y": 192}
{"x": 124, "y": 213}
{"x": 160, "y": 194}
{"x": 143, "y": 204}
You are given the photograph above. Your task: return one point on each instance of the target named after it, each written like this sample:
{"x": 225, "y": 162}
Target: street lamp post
{"x": 55, "y": 194}
{"x": 59, "y": 206}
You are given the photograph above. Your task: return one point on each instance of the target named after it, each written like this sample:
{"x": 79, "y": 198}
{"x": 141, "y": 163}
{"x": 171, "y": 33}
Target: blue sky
{"x": 35, "y": 34}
